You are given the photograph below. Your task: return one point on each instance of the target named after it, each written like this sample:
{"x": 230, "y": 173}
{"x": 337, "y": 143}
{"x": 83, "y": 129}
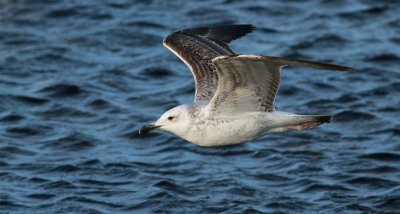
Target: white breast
{"x": 228, "y": 130}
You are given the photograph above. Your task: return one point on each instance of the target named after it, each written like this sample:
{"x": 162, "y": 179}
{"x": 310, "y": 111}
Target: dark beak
{"x": 147, "y": 128}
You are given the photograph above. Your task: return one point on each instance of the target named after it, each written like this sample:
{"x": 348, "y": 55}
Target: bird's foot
{"x": 303, "y": 126}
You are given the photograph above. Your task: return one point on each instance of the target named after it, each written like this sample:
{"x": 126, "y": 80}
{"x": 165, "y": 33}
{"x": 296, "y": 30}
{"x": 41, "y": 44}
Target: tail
{"x": 301, "y": 122}
{"x": 309, "y": 121}
{"x": 322, "y": 118}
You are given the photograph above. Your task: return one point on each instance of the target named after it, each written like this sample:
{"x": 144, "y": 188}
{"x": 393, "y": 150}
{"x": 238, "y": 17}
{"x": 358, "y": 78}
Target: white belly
{"x": 230, "y": 130}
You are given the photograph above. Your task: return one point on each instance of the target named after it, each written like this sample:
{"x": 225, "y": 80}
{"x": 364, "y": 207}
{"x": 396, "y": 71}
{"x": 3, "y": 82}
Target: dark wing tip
{"x": 341, "y": 68}
{"x": 350, "y": 69}
{"x": 223, "y": 33}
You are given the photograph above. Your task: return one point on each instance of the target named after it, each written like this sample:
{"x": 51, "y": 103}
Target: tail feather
{"x": 310, "y": 121}
{"x": 324, "y": 118}
{"x": 301, "y": 122}
{"x": 298, "y": 122}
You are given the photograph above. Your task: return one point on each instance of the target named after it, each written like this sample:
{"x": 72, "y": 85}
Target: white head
{"x": 175, "y": 120}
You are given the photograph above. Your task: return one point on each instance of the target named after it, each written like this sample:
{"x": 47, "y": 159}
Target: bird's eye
{"x": 170, "y": 118}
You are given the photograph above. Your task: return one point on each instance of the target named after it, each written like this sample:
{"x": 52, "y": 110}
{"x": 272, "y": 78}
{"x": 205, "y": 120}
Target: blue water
{"x": 79, "y": 78}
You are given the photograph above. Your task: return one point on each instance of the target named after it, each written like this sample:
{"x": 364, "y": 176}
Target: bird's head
{"x": 175, "y": 120}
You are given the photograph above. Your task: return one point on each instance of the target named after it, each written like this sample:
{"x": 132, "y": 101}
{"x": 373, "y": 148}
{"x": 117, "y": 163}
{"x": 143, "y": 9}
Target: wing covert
{"x": 196, "y": 47}
{"x": 250, "y": 83}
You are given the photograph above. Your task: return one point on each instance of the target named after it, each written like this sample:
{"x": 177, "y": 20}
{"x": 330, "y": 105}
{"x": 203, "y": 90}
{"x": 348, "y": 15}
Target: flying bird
{"x": 234, "y": 96}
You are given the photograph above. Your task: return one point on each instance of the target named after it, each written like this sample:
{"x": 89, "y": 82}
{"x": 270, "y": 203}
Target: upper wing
{"x": 196, "y": 47}
{"x": 249, "y": 83}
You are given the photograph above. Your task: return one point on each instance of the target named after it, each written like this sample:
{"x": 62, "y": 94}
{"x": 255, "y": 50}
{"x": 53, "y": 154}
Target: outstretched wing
{"x": 249, "y": 83}
{"x": 196, "y": 47}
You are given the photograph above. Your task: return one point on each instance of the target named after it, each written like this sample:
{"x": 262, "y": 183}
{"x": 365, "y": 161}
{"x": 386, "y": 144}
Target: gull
{"x": 235, "y": 94}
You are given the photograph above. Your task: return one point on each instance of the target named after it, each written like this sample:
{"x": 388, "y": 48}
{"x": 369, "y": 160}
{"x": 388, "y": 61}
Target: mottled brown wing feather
{"x": 196, "y": 47}
{"x": 249, "y": 83}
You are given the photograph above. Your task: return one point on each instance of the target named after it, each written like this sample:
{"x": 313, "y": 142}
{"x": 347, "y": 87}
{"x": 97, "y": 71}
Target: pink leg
{"x": 304, "y": 126}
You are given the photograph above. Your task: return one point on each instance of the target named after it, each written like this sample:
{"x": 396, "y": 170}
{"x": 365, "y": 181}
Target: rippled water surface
{"x": 79, "y": 78}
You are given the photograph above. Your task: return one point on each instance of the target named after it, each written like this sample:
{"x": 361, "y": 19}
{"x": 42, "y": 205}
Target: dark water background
{"x": 79, "y": 78}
